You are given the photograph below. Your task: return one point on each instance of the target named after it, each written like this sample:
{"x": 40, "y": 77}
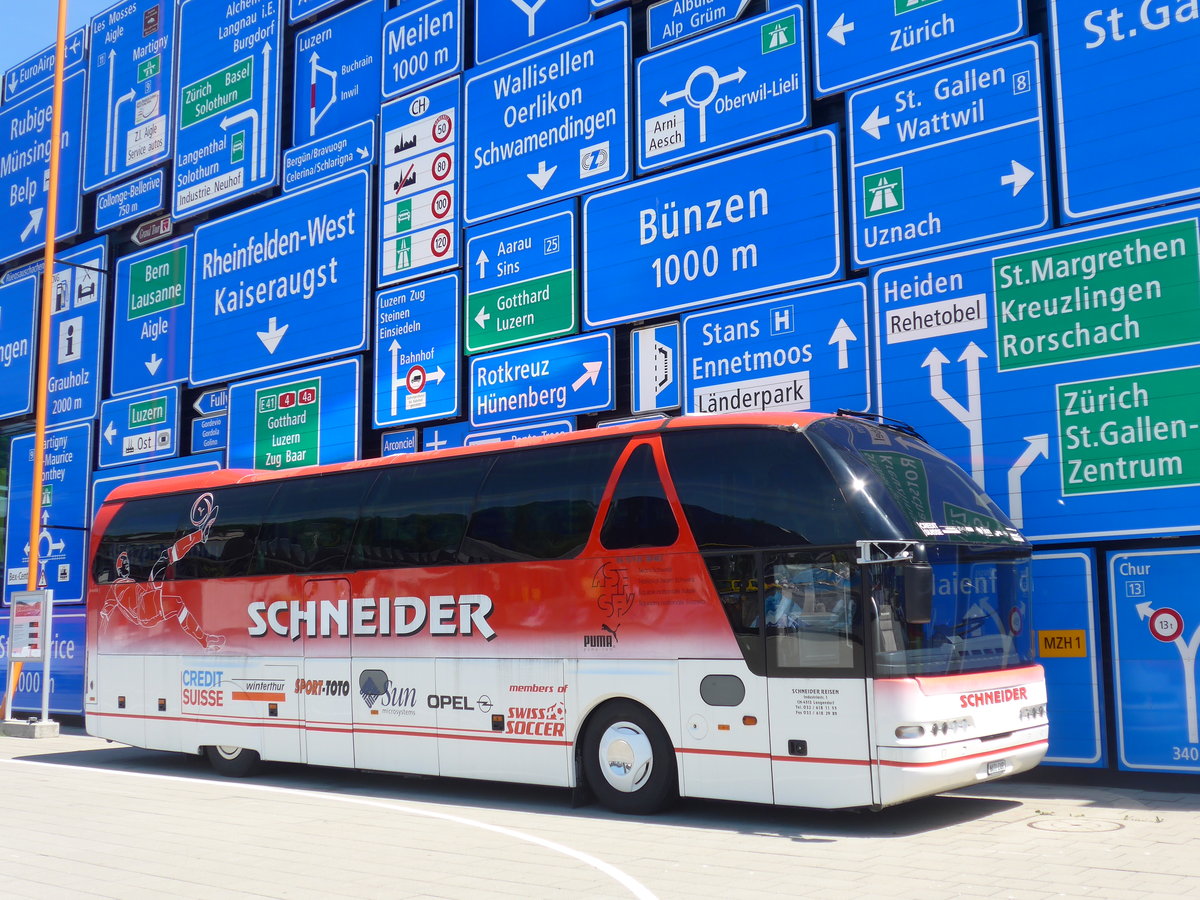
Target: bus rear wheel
{"x": 628, "y": 760}
{"x": 232, "y": 762}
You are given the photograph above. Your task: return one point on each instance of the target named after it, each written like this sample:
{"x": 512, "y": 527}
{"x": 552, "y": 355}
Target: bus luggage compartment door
{"x": 324, "y": 687}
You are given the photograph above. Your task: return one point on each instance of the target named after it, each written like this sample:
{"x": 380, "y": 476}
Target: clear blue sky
{"x": 28, "y": 26}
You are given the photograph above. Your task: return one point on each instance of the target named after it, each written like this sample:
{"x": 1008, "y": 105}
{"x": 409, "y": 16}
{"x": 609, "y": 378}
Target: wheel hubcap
{"x": 626, "y": 756}
{"x": 229, "y": 752}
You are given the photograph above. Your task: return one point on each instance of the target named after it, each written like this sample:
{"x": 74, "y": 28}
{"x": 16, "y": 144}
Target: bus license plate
{"x": 996, "y": 767}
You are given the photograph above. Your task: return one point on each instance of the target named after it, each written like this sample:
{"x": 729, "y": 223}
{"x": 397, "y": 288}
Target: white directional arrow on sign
{"x": 1018, "y": 179}
{"x": 840, "y": 29}
{"x": 874, "y": 122}
{"x": 109, "y": 433}
{"x": 1038, "y": 446}
{"x": 1187, "y": 655}
{"x": 480, "y": 261}
{"x": 482, "y": 317}
{"x": 272, "y": 336}
{"x": 841, "y": 336}
{"x": 436, "y": 375}
{"x": 968, "y": 415}
{"x": 35, "y": 222}
{"x": 153, "y": 363}
{"x": 591, "y": 372}
{"x": 364, "y": 152}
{"x": 542, "y": 176}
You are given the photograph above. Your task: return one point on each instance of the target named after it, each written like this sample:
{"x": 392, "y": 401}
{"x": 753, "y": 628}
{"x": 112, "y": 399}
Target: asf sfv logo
{"x": 608, "y": 639}
{"x": 384, "y": 697}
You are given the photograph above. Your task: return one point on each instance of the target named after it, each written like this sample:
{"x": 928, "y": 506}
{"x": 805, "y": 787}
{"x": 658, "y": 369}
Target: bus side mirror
{"x": 918, "y": 593}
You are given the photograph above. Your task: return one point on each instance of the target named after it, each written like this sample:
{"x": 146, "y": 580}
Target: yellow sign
{"x": 1062, "y": 643}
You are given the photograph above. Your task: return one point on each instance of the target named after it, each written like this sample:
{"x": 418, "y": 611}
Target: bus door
{"x": 324, "y": 687}
{"x": 820, "y": 745}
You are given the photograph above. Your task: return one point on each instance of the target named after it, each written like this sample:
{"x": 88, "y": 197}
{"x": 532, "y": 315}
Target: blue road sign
{"x": 140, "y": 427}
{"x": 521, "y": 280}
{"x": 1155, "y": 635}
{"x": 748, "y": 223}
{"x": 417, "y": 351}
{"x": 557, "y": 378}
{"x": 18, "y": 346}
{"x": 38, "y": 70}
{"x": 1066, "y": 635}
{"x": 632, "y": 420}
{"x": 210, "y": 433}
{"x": 104, "y": 483}
{"x": 298, "y": 10}
{"x": 420, "y": 183}
{"x": 227, "y": 127}
{"x": 551, "y": 124}
{"x": 212, "y": 403}
{"x": 328, "y": 157}
{"x": 77, "y": 333}
{"x": 299, "y": 418}
{"x": 62, "y": 539}
{"x": 952, "y": 156}
{"x": 399, "y": 442}
{"x": 281, "y": 282}
{"x": 24, "y": 174}
{"x": 421, "y": 45}
{"x": 1132, "y": 56}
{"x": 743, "y": 83}
{"x": 444, "y": 436}
{"x": 670, "y": 21}
{"x": 877, "y": 38}
{"x": 130, "y": 90}
{"x": 132, "y": 200}
{"x": 516, "y": 432}
{"x": 1059, "y": 371}
{"x": 503, "y": 27}
{"x": 66, "y": 668}
{"x": 152, "y": 317}
{"x": 654, "y": 359}
{"x": 336, "y": 73}
{"x": 796, "y": 352}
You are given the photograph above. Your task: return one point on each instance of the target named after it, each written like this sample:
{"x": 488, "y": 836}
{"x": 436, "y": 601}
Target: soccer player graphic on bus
{"x": 144, "y": 603}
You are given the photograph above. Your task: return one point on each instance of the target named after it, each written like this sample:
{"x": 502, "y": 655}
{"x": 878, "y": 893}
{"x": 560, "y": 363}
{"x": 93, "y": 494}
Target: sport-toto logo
{"x": 440, "y": 615}
{"x": 987, "y": 698}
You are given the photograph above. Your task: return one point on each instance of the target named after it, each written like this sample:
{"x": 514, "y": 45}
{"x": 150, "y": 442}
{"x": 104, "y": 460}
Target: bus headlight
{"x": 908, "y": 732}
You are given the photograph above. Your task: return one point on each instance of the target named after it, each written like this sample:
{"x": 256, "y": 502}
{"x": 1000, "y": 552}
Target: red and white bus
{"x": 803, "y": 609}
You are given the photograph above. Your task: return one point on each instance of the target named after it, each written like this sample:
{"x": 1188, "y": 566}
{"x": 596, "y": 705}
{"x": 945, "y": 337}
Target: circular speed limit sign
{"x": 443, "y": 166}
{"x": 443, "y": 125}
{"x": 1166, "y": 624}
{"x": 415, "y": 379}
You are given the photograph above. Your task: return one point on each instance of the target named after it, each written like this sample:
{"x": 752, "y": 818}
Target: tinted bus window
{"x": 220, "y": 540}
{"x": 540, "y": 504}
{"x": 639, "y": 515}
{"x": 141, "y": 530}
{"x": 310, "y": 523}
{"x": 416, "y": 515}
{"x": 756, "y": 487}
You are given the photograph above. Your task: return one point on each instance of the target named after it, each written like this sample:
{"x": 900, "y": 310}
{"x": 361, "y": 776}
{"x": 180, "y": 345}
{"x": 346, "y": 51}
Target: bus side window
{"x": 640, "y": 515}
{"x": 228, "y": 551}
{"x": 310, "y": 521}
{"x": 735, "y": 576}
{"x": 142, "y": 530}
{"x": 812, "y": 614}
{"x": 540, "y": 504}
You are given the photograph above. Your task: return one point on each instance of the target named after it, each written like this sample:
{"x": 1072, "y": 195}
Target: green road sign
{"x": 158, "y": 283}
{"x": 218, "y": 93}
{"x": 287, "y": 426}
{"x": 527, "y": 311}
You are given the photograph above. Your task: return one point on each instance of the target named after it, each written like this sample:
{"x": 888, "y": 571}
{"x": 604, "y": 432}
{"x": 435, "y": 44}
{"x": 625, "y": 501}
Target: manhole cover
{"x": 1075, "y": 825}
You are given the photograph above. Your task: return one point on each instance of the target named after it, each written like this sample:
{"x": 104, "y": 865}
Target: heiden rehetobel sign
{"x": 1059, "y": 371}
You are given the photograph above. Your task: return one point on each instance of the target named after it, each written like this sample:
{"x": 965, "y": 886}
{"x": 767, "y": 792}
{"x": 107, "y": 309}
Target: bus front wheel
{"x": 628, "y": 760}
{"x": 232, "y": 762}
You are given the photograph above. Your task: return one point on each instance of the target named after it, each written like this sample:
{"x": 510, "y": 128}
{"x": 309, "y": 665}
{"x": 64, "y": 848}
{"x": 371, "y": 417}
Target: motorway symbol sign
{"x": 399, "y": 442}
{"x": 31, "y": 74}
{"x": 130, "y": 201}
{"x": 654, "y": 358}
{"x": 140, "y": 427}
{"x": 877, "y": 38}
{"x": 329, "y": 156}
{"x": 25, "y": 173}
{"x": 796, "y": 352}
{"x": 210, "y": 433}
{"x": 77, "y": 333}
{"x": 212, "y": 403}
{"x": 299, "y": 418}
{"x": 420, "y": 183}
{"x": 421, "y": 45}
{"x": 549, "y": 125}
{"x": 1124, "y": 55}
{"x": 227, "y": 127}
{"x": 18, "y": 346}
{"x": 104, "y": 483}
{"x": 130, "y": 90}
{"x": 741, "y": 84}
{"x": 281, "y": 282}
{"x": 63, "y": 538}
{"x": 557, "y": 378}
{"x": 1058, "y": 371}
{"x": 152, "y": 317}
{"x": 521, "y": 282}
{"x": 749, "y": 223}
{"x": 506, "y": 25}
{"x": 336, "y": 73}
{"x": 954, "y": 155}
{"x": 670, "y": 21}
{"x": 418, "y": 351}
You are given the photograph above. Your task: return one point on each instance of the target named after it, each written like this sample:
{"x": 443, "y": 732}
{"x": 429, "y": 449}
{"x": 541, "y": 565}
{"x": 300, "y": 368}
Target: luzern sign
{"x": 140, "y": 427}
{"x": 1059, "y": 371}
{"x": 871, "y": 39}
{"x": 227, "y": 128}
{"x": 951, "y": 156}
{"x": 748, "y": 223}
{"x": 549, "y": 125}
{"x": 281, "y": 282}
{"x": 336, "y": 72}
